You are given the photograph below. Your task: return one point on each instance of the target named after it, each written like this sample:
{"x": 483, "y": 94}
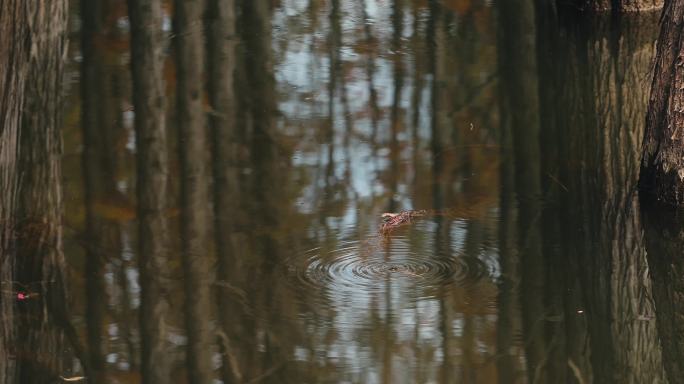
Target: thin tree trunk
{"x": 520, "y": 98}
{"x": 152, "y": 173}
{"x": 93, "y": 81}
{"x": 221, "y": 53}
{"x": 662, "y": 166}
{"x": 193, "y": 149}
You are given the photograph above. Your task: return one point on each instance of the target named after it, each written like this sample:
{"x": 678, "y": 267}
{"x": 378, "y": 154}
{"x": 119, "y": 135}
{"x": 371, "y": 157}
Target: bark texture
{"x": 13, "y": 68}
{"x": 618, "y": 6}
{"x": 664, "y": 242}
{"x": 39, "y": 258}
{"x": 33, "y": 42}
{"x": 594, "y": 102}
{"x": 194, "y": 188}
{"x": 147, "y": 44}
{"x": 662, "y": 168}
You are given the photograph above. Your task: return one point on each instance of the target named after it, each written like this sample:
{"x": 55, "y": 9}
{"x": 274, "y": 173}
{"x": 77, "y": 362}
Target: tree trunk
{"x": 96, "y": 117}
{"x": 617, "y": 6}
{"x": 520, "y": 116}
{"x": 39, "y": 266}
{"x": 221, "y": 46}
{"x": 194, "y": 189}
{"x": 13, "y": 68}
{"x": 664, "y": 242}
{"x": 593, "y": 105}
{"x": 662, "y": 167}
{"x": 147, "y": 45}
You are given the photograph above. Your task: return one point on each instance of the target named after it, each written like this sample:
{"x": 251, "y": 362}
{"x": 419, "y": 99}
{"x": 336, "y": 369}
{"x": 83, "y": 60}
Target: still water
{"x": 518, "y": 135}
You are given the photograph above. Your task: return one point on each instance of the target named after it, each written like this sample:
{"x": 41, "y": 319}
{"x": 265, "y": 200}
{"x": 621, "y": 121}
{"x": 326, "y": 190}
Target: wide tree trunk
{"x": 13, "y": 68}
{"x": 662, "y": 167}
{"x": 194, "y": 188}
{"x": 616, "y": 6}
{"x": 664, "y": 242}
{"x": 33, "y": 42}
{"x": 147, "y": 44}
{"x": 39, "y": 264}
{"x": 593, "y": 116}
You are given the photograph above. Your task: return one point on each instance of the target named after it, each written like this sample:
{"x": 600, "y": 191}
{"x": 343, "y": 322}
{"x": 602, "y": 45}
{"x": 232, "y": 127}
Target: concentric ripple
{"x": 371, "y": 265}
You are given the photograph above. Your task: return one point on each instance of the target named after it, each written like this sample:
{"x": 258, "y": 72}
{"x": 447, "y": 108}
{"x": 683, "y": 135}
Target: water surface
{"x": 518, "y": 134}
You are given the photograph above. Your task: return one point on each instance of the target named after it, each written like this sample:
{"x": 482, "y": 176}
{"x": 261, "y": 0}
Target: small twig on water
{"x": 558, "y": 182}
{"x": 576, "y": 371}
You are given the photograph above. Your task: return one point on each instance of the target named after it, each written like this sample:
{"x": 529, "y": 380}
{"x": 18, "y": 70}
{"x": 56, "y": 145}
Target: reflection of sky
{"x": 303, "y": 75}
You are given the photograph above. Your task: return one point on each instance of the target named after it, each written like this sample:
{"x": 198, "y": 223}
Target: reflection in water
{"x": 515, "y": 128}
{"x": 663, "y": 233}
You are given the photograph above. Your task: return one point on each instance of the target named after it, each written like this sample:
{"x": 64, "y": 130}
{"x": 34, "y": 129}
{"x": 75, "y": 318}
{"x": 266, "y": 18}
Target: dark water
{"x": 518, "y": 131}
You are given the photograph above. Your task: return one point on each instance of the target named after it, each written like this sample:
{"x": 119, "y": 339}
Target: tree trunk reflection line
{"x": 221, "y": 56}
{"x": 152, "y": 172}
{"x": 194, "y": 188}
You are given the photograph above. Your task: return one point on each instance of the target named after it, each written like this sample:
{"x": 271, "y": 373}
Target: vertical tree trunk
{"x": 520, "y": 110}
{"x": 39, "y": 266}
{"x": 93, "y": 119}
{"x": 13, "y": 68}
{"x": 662, "y": 167}
{"x": 147, "y": 45}
{"x": 33, "y": 42}
{"x": 627, "y": 349}
{"x": 664, "y": 242}
{"x": 193, "y": 149}
{"x": 617, "y": 6}
{"x": 221, "y": 53}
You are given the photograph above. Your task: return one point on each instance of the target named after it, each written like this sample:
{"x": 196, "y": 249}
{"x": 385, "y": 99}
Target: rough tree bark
{"x": 664, "y": 241}
{"x": 618, "y": 6}
{"x": 33, "y": 42}
{"x": 194, "y": 188}
{"x": 39, "y": 252}
{"x": 13, "y": 67}
{"x": 147, "y": 45}
{"x": 662, "y": 167}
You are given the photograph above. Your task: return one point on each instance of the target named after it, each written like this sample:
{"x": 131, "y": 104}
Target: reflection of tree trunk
{"x": 94, "y": 117}
{"x": 221, "y": 44}
{"x": 506, "y": 327}
{"x": 591, "y": 139}
{"x": 152, "y": 171}
{"x": 395, "y": 114}
{"x": 520, "y": 101}
{"x": 13, "y": 67}
{"x": 267, "y": 187}
{"x": 192, "y": 148}
{"x": 620, "y": 291}
{"x": 664, "y": 243}
{"x": 616, "y": 6}
{"x": 662, "y": 167}
{"x": 40, "y": 260}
